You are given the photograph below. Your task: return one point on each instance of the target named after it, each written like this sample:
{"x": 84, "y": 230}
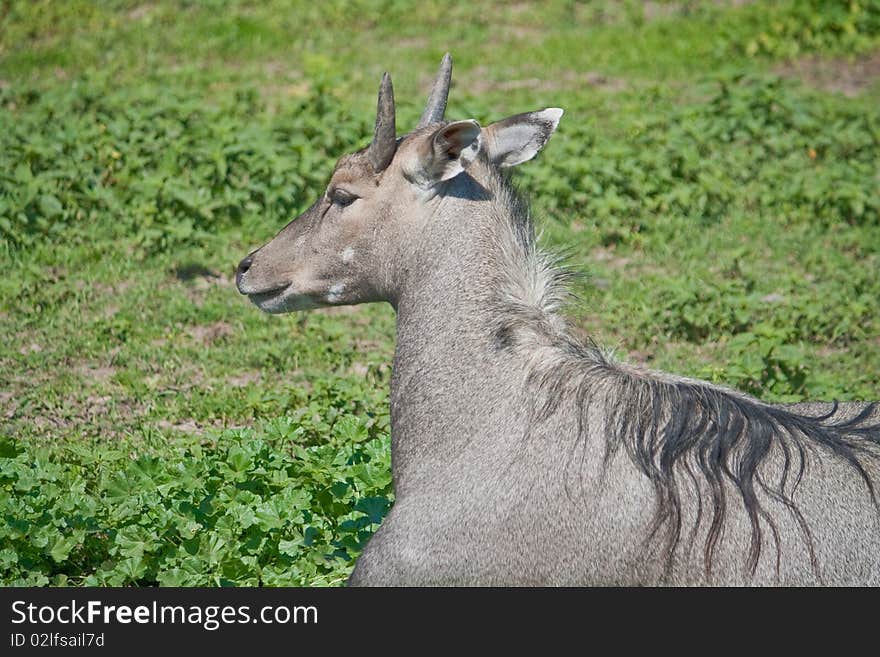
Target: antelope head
{"x": 347, "y": 247}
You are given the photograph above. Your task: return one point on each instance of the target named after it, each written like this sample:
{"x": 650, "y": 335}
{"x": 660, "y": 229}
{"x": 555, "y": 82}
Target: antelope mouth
{"x": 267, "y": 295}
{"x": 283, "y": 299}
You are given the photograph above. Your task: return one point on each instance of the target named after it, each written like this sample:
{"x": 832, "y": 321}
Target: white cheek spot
{"x": 348, "y": 255}
{"x": 335, "y": 293}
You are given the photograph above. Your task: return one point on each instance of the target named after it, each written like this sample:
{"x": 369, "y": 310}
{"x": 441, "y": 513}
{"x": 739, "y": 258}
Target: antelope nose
{"x": 243, "y": 266}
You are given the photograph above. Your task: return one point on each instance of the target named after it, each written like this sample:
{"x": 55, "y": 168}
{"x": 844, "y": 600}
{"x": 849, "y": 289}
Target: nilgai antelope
{"x": 522, "y": 456}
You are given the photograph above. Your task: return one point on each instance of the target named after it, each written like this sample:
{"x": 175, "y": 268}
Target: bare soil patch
{"x": 244, "y": 379}
{"x": 117, "y": 289}
{"x": 188, "y": 426}
{"x": 609, "y": 257}
{"x": 481, "y": 82}
{"x": 8, "y": 405}
{"x": 208, "y": 333}
{"x": 847, "y": 76}
{"x": 140, "y": 12}
{"x": 93, "y": 373}
{"x": 653, "y": 10}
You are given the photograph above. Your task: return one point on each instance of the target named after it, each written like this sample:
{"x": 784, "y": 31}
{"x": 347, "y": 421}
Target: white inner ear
{"x": 519, "y": 138}
{"x": 517, "y": 144}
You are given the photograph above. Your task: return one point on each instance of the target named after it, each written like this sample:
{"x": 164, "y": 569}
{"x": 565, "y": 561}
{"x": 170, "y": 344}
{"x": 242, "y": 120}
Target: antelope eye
{"x": 342, "y": 197}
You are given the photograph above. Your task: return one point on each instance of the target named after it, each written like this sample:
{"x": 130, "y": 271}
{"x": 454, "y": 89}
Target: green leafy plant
{"x": 797, "y": 26}
{"x": 164, "y": 167}
{"x": 257, "y": 507}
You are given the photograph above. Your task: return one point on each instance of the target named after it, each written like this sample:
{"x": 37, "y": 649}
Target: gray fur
{"x": 515, "y": 447}
{"x": 521, "y": 456}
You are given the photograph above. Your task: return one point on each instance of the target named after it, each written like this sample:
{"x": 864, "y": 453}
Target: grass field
{"x": 716, "y": 176}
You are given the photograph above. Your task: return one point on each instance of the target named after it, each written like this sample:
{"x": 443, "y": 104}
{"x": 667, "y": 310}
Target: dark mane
{"x": 685, "y": 436}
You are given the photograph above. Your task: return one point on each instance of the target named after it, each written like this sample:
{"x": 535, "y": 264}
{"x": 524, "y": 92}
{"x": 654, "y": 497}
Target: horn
{"x": 436, "y": 107}
{"x": 384, "y": 142}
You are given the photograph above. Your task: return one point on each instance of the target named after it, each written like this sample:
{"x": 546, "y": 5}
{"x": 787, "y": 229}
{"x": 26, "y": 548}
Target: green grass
{"x": 156, "y": 428}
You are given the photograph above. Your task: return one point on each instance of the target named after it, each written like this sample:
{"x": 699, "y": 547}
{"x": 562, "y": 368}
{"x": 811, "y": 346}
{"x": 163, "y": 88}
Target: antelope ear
{"x": 448, "y": 151}
{"x": 518, "y": 139}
